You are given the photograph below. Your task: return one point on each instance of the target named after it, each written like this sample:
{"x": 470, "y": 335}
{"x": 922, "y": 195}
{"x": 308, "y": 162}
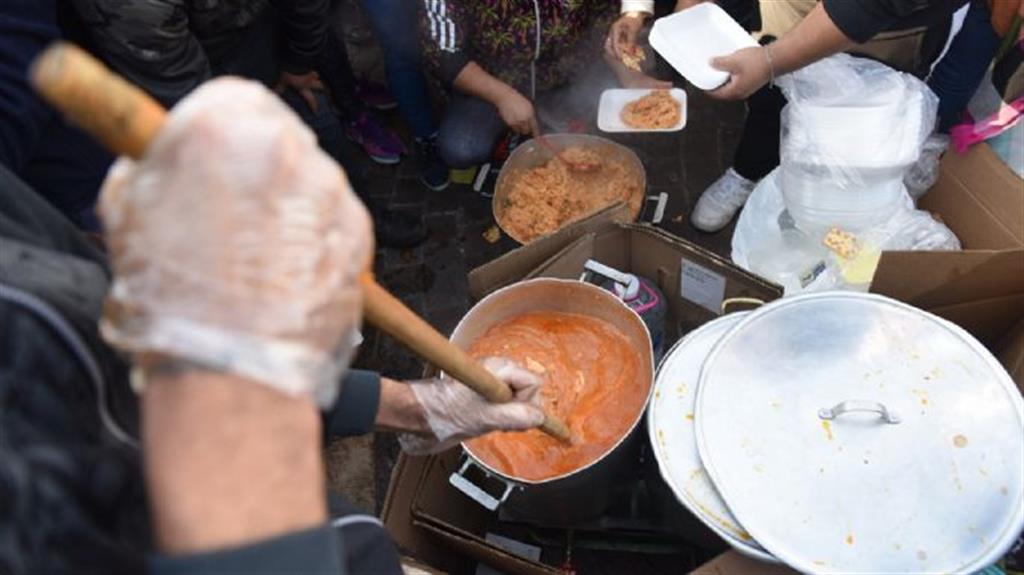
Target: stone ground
{"x": 432, "y": 278}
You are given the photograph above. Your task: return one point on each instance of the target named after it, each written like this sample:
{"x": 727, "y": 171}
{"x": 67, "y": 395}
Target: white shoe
{"x": 720, "y": 202}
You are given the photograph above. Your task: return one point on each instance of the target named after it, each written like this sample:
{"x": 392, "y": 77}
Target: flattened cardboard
{"x": 397, "y": 517}
{"x": 736, "y": 563}
{"x": 993, "y": 184}
{"x": 1011, "y": 354}
{"x": 657, "y": 255}
{"x": 982, "y": 287}
{"x": 461, "y": 523}
{"x": 514, "y": 265}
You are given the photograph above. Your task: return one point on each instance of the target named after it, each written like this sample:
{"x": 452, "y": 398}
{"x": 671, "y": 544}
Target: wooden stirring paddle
{"x": 126, "y": 120}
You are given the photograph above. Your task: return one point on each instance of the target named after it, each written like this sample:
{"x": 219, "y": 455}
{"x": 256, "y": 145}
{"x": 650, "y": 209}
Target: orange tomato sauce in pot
{"x": 592, "y": 381}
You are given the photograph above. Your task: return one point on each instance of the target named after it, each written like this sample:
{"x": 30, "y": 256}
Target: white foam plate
{"x": 688, "y": 40}
{"x": 609, "y": 111}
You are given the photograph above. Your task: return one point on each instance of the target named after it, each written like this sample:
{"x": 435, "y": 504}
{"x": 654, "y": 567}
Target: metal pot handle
{"x": 660, "y": 201}
{"x": 726, "y": 303}
{"x": 854, "y": 405}
{"x": 459, "y": 481}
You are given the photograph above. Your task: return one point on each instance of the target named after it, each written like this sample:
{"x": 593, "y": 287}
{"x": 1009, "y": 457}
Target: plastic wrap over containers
{"x": 851, "y": 131}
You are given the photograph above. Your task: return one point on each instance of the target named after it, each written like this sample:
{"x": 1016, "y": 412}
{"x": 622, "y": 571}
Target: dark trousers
{"x": 470, "y": 128}
{"x": 758, "y": 151}
{"x": 395, "y": 23}
{"x": 958, "y": 75}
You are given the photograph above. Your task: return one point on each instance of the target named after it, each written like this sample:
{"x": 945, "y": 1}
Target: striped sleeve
{"x": 445, "y": 30}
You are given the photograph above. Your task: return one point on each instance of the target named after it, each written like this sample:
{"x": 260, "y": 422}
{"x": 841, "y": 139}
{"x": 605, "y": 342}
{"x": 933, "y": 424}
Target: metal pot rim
{"x": 639, "y": 416}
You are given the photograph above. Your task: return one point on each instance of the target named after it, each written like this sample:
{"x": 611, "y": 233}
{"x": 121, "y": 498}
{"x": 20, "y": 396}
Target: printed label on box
{"x": 701, "y": 286}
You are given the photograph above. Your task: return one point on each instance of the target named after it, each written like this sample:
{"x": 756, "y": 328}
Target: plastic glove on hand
{"x": 454, "y": 412}
{"x": 237, "y": 244}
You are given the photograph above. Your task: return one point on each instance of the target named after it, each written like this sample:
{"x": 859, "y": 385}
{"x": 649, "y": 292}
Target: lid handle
{"x": 859, "y": 405}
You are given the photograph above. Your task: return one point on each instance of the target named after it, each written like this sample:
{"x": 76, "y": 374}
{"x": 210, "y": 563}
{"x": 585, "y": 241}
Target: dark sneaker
{"x": 379, "y": 142}
{"x": 399, "y": 228}
{"x": 433, "y": 170}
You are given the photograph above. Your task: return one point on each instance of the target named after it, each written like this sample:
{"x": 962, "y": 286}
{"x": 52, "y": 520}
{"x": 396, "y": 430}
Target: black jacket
{"x": 171, "y": 46}
{"x": 859, "y": 20}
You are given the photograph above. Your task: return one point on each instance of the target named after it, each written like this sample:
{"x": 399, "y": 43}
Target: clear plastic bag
{"x": 851, "y": 129}
{"x": 768, "y": 242}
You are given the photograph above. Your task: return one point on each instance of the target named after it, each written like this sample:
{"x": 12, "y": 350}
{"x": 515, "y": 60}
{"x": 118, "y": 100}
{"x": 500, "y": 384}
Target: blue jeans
{"x": 959, "y": 73}
{"x": 395, "y": 25}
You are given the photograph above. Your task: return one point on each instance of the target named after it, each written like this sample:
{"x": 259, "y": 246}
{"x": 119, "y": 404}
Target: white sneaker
{"x": 720, "y": 202}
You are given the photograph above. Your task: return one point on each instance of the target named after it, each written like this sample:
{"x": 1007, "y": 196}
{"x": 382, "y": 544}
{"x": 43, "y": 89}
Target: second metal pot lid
{"x": 853, "y": 433}
{"x": 670, "y": 424}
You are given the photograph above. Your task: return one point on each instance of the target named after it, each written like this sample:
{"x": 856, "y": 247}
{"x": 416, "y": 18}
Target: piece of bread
{"x": 842, "y": 243}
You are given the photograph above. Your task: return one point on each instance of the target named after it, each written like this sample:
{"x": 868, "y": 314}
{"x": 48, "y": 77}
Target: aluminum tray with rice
{"x": 538, "y": 193}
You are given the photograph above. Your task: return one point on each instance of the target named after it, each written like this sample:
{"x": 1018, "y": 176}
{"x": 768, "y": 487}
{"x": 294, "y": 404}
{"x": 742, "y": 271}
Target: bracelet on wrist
{"x": 771, "y": 64}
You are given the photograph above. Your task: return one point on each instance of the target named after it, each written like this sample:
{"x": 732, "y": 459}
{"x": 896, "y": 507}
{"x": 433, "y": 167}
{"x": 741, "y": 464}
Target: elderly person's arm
{"x": 236, "y": 245}
{"x": 234, "y": 473}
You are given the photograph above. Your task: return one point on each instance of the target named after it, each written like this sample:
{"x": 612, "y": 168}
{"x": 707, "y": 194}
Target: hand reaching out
{"x": 304, "y": 84}
{"x": 518, "y": 114}
{"x": 749, "y": 69}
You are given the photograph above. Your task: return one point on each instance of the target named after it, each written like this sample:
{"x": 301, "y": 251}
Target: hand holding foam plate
{"x": 689, "y": 39}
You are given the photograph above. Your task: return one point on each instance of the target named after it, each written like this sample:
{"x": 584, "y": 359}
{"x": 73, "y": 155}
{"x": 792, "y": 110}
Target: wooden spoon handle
{"x": 120, "y": 115}
{"x": 126, "y": 120}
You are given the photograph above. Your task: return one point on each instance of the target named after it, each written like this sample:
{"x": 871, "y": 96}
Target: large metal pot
{"x": 583, "y": 493}
{"x": 532, "y": 153}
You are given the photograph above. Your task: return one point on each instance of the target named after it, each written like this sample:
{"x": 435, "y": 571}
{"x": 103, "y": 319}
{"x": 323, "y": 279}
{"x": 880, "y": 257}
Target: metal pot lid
{"x": 791, "y": 429}
{"x": 670, "y": 425}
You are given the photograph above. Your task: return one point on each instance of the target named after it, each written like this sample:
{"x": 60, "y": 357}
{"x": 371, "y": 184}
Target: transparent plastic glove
{"x": 456, "y": 412}
{"x": 237, "y": 244}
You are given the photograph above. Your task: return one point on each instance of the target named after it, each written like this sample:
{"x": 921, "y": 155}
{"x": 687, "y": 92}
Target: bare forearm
{"x": 814, "y": 38}
{"x": 229, "y": 462}
{"x": 476, "y": 81}
{"x": 399, "y": 409}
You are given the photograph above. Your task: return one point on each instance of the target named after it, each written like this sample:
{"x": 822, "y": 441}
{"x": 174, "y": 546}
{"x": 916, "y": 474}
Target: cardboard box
{"x": 432, "y": 521}
{"x": 982, "y": 287}
{"x": 736, "y": 563}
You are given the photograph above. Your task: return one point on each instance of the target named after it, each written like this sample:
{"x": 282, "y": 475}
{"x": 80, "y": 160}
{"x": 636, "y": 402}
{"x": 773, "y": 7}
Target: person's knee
{"x": 460, "y": 150}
